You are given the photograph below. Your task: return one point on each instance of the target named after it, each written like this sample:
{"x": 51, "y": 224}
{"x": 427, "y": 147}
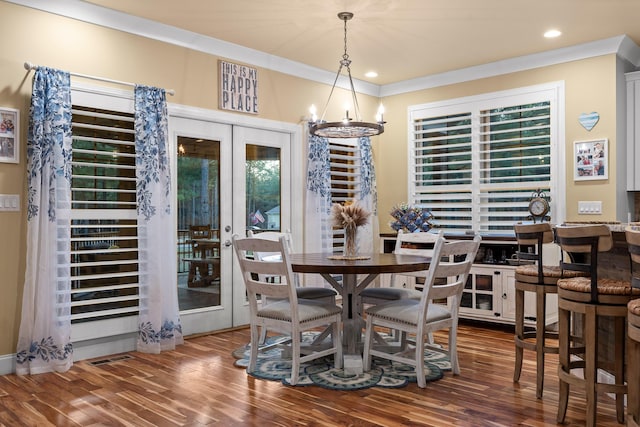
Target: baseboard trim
{"x": 7, "y": 364}
{"x": 83, "y": 350}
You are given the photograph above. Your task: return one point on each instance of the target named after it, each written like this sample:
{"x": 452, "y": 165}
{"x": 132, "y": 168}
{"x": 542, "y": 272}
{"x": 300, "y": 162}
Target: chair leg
{"x": 263, "y": 336}
{"x": 519, "y": 336}
{"x": 453, "y": 348}
{"x": 253, "y": 355}
{"x": 337, "y": 343}
{"x": 295, "y": 357}
{"x": 564, "y": 331}
{"x": 422, "y": 383}
{"x": 368, "y": 342}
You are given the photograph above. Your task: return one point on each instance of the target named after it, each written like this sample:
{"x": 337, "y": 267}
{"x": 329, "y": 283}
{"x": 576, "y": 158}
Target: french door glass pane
{"x": 263, "y": 187}
{"x": 198, "y": 223}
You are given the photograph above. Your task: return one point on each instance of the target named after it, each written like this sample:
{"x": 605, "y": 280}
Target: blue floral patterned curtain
{"x": 318, "y": 234}
{"x": 44, "y": 340}
{"x": 159, "y": 320}
{"x": 318, "y": 229}
{"x": 370, "y": 233}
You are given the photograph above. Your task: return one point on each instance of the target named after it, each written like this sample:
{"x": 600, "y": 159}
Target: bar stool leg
{"x": 519, "y": 333}
{"x": 620, "y": 333}
{"x": 540, "y": 339}
{"x": 591, "y": 358}
{"x": 564, "y": 329}
{"x": 633, "y": 366}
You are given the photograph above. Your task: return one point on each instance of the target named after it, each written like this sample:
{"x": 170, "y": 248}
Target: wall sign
{"x": 238, "y": 88}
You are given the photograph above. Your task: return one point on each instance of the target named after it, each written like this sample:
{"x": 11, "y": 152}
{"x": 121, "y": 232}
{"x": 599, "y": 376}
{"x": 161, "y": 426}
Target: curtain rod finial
{"x": 29, "y": 66}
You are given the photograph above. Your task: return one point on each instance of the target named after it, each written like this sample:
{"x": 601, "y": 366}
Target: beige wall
{"x": 58, "y": 42}
{"x": 590, "y": 85}
{"x": 50, "y": 40}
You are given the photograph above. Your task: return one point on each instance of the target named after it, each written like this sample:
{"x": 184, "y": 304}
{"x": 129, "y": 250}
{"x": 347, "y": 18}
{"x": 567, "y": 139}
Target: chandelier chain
{"x": 346, "y": 55}
{"x": 347, "y": 127}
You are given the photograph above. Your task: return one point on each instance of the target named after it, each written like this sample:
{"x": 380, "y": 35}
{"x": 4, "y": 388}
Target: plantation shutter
{"x": 104, "y": 252}
{"x": 514, "y": 161}
{"x": 442, "y": 168}
{"x": 476, "y": 162}
{"x": 344, "y": 160}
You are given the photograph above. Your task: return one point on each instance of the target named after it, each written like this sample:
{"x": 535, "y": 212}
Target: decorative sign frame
{"x": 590, "y": 159}
{"x": 238, "y": 88}
{"x": 9, "y": 135}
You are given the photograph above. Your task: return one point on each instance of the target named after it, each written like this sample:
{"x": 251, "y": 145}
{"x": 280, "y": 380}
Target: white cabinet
{"x": 489, "y": 293}
{"x": 633, "y": 130}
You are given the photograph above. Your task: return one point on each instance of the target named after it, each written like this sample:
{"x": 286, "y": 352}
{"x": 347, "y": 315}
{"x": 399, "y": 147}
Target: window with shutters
{"x": 345, "y": 178}
{"x": 104, "y": 245}
{"x": 475, "y": 162}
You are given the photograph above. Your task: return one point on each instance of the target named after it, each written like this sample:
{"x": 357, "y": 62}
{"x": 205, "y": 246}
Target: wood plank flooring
{"x": 197, "y": 385}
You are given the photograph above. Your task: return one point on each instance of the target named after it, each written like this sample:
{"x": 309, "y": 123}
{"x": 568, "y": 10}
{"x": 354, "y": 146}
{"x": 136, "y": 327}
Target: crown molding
{"x": 622, "y": 46}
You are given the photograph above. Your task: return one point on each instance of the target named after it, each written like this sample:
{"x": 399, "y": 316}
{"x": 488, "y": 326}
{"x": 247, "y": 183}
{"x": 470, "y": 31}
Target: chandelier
{"x": 348, "y": 127}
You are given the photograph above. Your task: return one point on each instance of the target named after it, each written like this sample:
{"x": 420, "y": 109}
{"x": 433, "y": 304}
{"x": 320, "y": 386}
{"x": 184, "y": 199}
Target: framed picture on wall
{"x": 9, "y": 135}
{"x": 590, "y": 159}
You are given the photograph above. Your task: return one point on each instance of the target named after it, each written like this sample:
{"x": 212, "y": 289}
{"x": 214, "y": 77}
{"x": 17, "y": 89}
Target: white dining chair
{"x": 420, "y": 244}
{"x": 450, "y": 260}
{"x": 281, "y": 310}
{"x": 318, "y": 293}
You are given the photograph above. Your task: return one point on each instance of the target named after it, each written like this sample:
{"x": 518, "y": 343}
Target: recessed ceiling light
{"x": 371, "y": 74}
{"x": 552, "y": 34}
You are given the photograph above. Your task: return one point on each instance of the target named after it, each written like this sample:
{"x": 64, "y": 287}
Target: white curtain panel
{"x": 44, "y": 340}
{"x": 159, "y": 319}
{"x": 368, "y": 235}
{"x": 318, "y": 236}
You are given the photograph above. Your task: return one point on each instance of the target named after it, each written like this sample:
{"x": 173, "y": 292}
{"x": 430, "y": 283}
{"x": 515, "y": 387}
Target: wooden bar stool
{"x": 633, "y": 364}
{"x": 633, "y": 331}
{"x": 540, "y": 280}
{"x": 592, "y": 298}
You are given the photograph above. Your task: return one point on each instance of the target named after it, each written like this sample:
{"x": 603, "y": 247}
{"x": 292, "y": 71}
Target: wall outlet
{"x": 590, "y": 208}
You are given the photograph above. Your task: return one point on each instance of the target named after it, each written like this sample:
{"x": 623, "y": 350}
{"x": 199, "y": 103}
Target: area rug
{"x": 383, "y": 373}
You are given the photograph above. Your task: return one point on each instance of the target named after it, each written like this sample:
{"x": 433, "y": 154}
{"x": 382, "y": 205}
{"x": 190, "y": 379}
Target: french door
{"x": 262, "y": 196}
{"x": 228, "y": 179}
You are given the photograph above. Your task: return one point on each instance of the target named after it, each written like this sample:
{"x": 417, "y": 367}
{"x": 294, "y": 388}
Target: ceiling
{"x": 399, "y": 39}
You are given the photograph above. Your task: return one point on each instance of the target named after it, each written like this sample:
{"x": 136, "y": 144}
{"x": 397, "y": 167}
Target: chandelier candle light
{"x": 347, "y": 127}
{"x": 349, "y": 216}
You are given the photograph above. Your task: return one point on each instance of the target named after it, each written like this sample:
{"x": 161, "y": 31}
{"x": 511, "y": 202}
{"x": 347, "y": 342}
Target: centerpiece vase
{"x": 350, "y": 246}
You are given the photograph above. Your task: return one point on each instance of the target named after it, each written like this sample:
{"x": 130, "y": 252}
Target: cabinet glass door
{"x": 478, "y": 292}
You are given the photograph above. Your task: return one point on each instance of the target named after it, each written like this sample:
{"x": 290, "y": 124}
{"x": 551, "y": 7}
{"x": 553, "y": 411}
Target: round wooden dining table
{"x": 370, "y": 267}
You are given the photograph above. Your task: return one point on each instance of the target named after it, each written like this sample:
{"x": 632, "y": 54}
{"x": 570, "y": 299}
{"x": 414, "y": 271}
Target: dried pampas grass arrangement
{"x": 351, "y": 214}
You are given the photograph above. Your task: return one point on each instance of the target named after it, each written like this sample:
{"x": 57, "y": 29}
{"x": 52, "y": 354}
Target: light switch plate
{"x": 590, "y": 208}
{"x": 9, "y": 202}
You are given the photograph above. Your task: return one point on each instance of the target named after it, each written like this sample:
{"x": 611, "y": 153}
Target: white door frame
{"x": 297, "y": 165}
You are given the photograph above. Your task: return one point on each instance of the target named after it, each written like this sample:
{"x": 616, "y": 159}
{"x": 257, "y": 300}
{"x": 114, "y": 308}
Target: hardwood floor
{"x": 197, "y": 385}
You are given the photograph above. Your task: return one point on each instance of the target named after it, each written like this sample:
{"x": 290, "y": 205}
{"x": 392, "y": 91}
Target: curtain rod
{"x": 29, "y": 66}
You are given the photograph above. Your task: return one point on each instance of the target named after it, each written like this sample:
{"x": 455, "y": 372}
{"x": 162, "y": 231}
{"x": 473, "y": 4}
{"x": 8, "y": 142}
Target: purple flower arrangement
{"x": 411, "y": 218}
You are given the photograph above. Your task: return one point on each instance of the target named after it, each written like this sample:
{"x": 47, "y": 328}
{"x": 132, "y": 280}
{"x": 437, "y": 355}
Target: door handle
{"x": 227, "y": 243}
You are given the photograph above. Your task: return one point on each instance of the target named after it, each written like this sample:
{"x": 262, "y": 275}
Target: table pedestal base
{"x": 352, "y": 364}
